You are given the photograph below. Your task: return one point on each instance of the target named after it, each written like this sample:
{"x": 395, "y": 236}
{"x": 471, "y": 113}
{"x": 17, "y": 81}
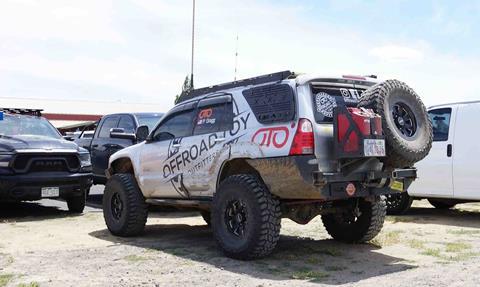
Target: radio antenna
{"x": 193, "y": 44}
{"x": 236, "y": 59}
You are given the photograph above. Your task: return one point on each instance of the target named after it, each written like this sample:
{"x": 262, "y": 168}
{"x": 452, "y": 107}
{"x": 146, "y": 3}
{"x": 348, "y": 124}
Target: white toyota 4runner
{"x": 248, "y": 153}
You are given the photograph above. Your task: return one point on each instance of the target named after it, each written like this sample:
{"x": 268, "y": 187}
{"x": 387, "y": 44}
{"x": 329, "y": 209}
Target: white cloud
{"x": 140, "y": 50}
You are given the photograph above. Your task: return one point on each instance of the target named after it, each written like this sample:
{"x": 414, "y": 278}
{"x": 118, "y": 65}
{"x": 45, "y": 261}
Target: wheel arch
{"x": 121, "y": 165}
{"x": 235, "y": 166}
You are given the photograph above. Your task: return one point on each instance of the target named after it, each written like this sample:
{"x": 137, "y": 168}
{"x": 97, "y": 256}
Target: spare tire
{"x": 406, "y": 126}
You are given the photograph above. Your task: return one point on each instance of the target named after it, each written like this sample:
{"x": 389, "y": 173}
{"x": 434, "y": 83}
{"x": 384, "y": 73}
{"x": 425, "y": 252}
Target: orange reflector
{"x": 350, "y": 189}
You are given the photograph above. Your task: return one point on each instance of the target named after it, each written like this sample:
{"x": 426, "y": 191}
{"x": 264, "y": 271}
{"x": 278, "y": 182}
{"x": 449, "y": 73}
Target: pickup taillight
{"x": 303, "y": 142}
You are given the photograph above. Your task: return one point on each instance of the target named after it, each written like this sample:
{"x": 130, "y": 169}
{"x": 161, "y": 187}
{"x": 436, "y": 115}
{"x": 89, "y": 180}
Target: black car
{"x": 36, "y": 162}
{"x": 113, "y": 132}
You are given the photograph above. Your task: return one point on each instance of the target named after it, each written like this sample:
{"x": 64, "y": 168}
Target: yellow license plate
{"x": 397, "y": 185}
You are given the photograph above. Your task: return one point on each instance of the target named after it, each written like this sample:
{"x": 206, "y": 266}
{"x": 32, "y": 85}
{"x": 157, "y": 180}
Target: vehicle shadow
{"x": 31, "y": 211}
{"x": 453, "y": 217}
{"x": 324, "y": 261}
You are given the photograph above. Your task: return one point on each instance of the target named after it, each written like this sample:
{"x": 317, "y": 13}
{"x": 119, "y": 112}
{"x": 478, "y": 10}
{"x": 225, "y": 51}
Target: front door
{"x": 162, "y": 158}
{"x": 435, "y": 171}
{"x": 101, "y": 148}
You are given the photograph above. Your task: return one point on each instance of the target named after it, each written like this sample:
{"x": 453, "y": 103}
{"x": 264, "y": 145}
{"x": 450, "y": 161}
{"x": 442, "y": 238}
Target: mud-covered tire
{"x": 207, "y": 217}
{"x": 124, "y": 208}
{"x": 244, "y": 200}
{"x": 398, "y": 203}
{"x": 441, "y": 204}
{"x": 406, "y": 126}
{"x": 360, "y": 229}
{"x": 76, "y": 204}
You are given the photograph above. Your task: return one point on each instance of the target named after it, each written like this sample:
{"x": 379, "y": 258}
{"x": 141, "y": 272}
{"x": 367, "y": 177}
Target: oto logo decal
{"x": 277, "y": 136}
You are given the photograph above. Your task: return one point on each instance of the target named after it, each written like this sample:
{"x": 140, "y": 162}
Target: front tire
{"x": 441, "y": 204}
{"x": 245, "y": 218}
{"x": 398, "y": 203}
{"x": 356, "y": 227}
{"x": 124, "y": 208}
{"x": 76, "y": 204}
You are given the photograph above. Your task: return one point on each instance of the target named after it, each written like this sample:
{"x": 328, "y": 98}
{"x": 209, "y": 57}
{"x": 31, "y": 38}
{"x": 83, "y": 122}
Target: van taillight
{"x": 303, "y": 142}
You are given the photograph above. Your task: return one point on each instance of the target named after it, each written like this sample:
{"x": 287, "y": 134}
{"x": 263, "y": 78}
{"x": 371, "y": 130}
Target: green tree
{"x": 187, "y": 87}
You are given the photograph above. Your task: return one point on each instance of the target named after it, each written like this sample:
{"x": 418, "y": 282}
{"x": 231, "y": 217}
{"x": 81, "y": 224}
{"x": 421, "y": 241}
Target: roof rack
{"x": 274, "y": 77}
{"x": 30, "y": 112}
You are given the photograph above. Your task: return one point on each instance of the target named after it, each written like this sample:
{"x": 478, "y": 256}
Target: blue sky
{"x": 139, "y": 51}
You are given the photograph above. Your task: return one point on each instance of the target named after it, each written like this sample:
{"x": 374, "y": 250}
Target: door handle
{"x": 449, "y": 150}
{"x": 94, "y": 145}
{"x": 176, "y": 145}
{"x": 219, "y": 140}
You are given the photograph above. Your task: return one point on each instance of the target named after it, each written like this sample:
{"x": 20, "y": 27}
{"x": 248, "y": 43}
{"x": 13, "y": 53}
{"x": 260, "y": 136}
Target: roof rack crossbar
{"x": 274, "y": 77}
{"x": 19, "y": 111}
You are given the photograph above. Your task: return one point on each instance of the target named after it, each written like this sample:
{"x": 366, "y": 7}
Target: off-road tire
{"x": 398, "y": 203}
{"x": 262, "y": 213}
{"x": 366, "y": 226}
{"x": 402, "y": 151}
{"x": 441, "y": 204}
{"x": 207, "y": 217}
{"x": 76, "y": 204}
{"x": 131, "y": 218}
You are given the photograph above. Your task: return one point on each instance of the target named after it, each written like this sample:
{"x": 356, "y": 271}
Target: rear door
{"x": 101, "y": 148}
{"x": 466, "y": 153}
{"x": 435, "y": 171}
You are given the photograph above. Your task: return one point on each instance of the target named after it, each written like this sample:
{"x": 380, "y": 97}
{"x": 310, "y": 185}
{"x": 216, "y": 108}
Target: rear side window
{"x": 440, "y": 119}
{"x": 214, "y": 118}
{"x": 325, "y": 99}
{"x": 177, "y": 125}
{"x": 271, "y": 103}
{"x": 108, "y": 124}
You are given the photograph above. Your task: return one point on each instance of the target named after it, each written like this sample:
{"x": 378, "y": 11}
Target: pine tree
{"x": 186, "y": 88}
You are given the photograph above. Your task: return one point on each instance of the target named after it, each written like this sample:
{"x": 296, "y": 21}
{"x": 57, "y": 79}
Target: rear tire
{"x": 76, "y": 204}
{"x": 405, "y": 122}
{"x": 245, "y": 217}
{"x": 347, "y": 227}
{"x": 124, "y": 208}
{"x": 441, "y": 204}
{"x": 398, "y": 203}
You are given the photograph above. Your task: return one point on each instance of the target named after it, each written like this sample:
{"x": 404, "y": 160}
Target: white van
{"x": 449, "y": 174}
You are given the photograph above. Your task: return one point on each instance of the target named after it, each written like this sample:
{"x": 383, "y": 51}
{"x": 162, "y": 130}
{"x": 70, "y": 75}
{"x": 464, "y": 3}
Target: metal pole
{"x": 193, "y": 44}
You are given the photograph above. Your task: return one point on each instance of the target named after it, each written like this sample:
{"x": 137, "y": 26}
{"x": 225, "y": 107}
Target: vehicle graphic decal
{"x": 325, "y": 104}
{"x": 276, "y": 136}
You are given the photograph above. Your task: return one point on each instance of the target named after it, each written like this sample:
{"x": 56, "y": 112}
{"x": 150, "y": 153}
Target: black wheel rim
{"x": 236, "y": 218}
{"x": 404, "y": 120}
{"x": 117, "y": 206}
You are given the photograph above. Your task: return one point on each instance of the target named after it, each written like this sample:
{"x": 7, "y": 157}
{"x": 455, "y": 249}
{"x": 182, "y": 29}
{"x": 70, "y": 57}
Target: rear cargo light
{"x": 303, "y": 142}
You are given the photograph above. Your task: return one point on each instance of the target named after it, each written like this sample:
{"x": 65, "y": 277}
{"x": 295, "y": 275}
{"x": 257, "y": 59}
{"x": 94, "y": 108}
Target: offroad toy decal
{"x": 205, "y": 117}
{"x": 276, "y": 136}
{"x": 325, "y": 104}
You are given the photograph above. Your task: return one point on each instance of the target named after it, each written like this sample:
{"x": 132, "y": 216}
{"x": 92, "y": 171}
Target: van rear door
{"x": 435, "y": 171}
{"x": 466, "y": 152}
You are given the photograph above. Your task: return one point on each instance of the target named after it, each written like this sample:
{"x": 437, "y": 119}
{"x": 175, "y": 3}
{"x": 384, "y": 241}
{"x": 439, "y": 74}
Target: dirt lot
{"x": 41, "y": 245}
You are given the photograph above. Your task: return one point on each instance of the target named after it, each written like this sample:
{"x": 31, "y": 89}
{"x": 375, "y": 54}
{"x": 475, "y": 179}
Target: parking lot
{"x": 42, "y": 245}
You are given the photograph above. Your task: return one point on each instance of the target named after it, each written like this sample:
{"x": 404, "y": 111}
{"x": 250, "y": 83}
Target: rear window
{"x": 325, "y": 99}
{"x": 271, "y": 103}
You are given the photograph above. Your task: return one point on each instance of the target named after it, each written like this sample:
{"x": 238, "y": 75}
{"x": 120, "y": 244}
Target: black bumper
{"x": 28, "y": 186}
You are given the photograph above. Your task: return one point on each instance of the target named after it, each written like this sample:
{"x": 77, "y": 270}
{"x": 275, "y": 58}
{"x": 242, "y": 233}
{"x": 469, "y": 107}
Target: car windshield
{"x": 16, "y": 125}
{"x": 150, "y": 121}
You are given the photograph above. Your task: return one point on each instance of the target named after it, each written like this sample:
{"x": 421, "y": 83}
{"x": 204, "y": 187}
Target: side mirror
{"x": 142, "y": 133}
{"x": 119, "y": 133}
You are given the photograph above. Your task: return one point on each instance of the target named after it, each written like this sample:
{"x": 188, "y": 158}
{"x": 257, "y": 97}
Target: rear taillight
{"x": 303, "y": 142}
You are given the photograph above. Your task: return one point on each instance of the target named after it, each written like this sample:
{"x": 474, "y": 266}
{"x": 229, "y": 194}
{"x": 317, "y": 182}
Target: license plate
{"x": 397, "y": 185}
{"x": 374, "y": 147}
{"x": 50, "y": 192}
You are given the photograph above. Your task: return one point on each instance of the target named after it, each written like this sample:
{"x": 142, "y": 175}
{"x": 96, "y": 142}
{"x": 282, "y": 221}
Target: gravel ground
{"x": 42, "y": 245}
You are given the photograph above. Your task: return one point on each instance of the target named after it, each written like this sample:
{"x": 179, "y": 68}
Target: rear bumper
{"x": 28, "y": 186}
{"x": 297, "y": 177}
